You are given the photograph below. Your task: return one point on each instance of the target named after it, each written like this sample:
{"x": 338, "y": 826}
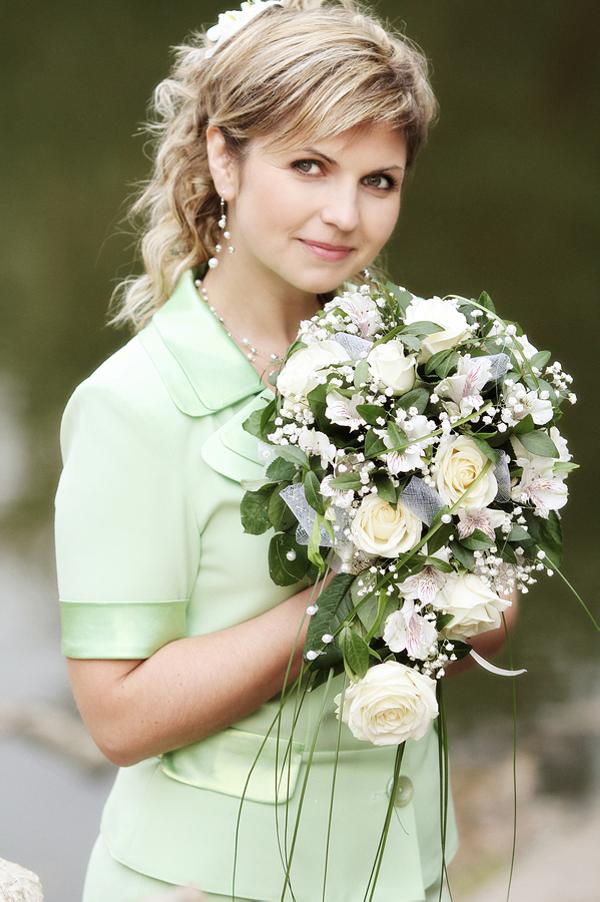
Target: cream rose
{"x": 458, "y": 462}
{"x": 392, "y": 703}
{"x": 381, "y": 529}
{"x": 389, "y": 366}
{"x": 475, "y": 608}
{"x": 454, "y": 324}
{"x": 301, "y": 372}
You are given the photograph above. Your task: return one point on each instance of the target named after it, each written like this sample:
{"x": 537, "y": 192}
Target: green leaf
{"x": 401, "y": 296}
{"x": 477, "y": 541}
{"x": 463, "y": 555}
{"x": 441, "y": 363}
{"x": 334, "y": 604}
{"x": 443, "y": 620}
{"x": 485, "y": 449}
{"x": 279, "y": 513}
{"x": 371, "y": 413}
{"x": 398, "y": 436}
{"x": 416, "y": 397}
{"x": 280, "y": 470}
{"x": 252, "y": 424}
{"x": 421, "y": 327}
{"x": 385, "y": 487}
{"x": 312, "y": 490}
{"x": 265, "y": 415}
{"x": 294, "y": 454}
{"x": 317, "y": 401}
{"x": 524, "y": 425}
{"x": 284, "y": 572}
{"x": 356, "y": 652}
{"x": 346, "y": 481}
{"x": 540, "y": 443}
{"x": 519, "y": 535}
{"x": 373, "y": 445}
{"x": 439, "y": 538}
{"x": 314, "y": 544}
{"x": 254, "y": 510}
{"x": 564, "y": 466}
{"x": 540, "y": 359}
{"x": 485, "y": 300}
{"x": 439, "y": 564}
{"x": 362, "y": 374}
{"x": 547, "y": 534}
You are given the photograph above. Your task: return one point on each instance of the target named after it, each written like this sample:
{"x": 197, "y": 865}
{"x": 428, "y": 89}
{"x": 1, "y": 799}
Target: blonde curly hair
{"x": 308, "y": 68}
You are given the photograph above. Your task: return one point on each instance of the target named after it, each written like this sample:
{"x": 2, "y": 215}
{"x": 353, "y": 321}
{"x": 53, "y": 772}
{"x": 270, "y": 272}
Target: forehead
{"x": 365, "y": 137}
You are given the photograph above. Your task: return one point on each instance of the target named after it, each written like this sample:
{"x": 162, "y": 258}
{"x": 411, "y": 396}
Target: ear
{"x": 221, "y": 163}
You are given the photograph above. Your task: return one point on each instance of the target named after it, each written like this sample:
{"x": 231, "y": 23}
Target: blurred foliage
{"x": 503, "y": 198}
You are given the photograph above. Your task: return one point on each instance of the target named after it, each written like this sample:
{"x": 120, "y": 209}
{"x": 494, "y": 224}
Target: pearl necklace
{"x": 252, "y": 351}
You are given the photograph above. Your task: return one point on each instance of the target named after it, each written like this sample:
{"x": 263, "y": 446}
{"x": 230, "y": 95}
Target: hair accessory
{"x": 231, "y": 21}
{"x": 214, "y": 261}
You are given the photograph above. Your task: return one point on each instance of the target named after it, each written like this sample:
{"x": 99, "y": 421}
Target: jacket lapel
{"x": 205, "y": 372}
{"x": 232, "y": 451}
{"x": 201, "y": 366}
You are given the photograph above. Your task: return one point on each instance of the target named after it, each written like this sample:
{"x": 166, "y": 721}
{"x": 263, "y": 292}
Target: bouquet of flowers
{"x": 412, "y": 447}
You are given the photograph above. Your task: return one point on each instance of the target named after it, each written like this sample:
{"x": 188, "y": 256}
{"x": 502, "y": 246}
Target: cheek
{"x": 381, "y": 219}
{"x": 273, "y": 207}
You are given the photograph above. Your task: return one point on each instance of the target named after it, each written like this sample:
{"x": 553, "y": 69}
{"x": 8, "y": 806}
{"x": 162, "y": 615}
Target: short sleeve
{"x": 126, "y": 539}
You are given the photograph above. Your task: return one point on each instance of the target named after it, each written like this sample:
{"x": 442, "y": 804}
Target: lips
{"x": 326, "y": 251}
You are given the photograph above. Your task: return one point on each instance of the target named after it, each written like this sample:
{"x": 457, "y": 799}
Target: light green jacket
{"x": 150, "y": 549}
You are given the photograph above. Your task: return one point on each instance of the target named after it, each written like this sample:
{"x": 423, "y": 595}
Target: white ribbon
{"x": 500, "y": 671}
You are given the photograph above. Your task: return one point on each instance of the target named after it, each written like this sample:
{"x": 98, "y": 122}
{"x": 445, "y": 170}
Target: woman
{"x": 283, "y": 138}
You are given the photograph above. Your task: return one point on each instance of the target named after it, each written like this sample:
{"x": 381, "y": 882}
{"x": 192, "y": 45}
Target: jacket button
{"x": 404, "y": 790}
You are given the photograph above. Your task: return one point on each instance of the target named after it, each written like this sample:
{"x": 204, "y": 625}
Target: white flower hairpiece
{"x": 231, "y": 21}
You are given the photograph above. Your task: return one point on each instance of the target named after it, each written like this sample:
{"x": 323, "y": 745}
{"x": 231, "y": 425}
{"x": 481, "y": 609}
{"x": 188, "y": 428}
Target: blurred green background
{"x": 504, "y": 198}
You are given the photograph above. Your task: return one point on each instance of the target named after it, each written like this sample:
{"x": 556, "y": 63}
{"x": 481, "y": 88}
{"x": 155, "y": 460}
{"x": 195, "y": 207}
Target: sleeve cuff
{"x": 119, "y": 629}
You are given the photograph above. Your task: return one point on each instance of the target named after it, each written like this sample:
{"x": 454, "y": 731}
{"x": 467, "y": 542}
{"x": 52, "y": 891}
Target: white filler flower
{"x": 392, "y": 703}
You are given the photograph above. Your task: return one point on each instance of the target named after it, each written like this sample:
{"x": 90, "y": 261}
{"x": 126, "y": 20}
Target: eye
{"x": 298, "y": 163}
{"x": 391, "y": 181}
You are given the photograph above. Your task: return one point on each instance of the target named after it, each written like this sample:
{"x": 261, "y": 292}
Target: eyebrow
{"x": 333, "y": 162}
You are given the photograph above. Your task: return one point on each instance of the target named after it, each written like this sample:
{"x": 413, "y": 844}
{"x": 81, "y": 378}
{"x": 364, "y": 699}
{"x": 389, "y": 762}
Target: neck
{"x": 256, "y": 303}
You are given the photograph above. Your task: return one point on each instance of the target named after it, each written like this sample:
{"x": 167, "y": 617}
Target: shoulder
{"x": 123, "y": 395}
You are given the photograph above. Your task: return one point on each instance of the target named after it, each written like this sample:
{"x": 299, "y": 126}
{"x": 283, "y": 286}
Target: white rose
{"x": 435, "y": 310}
{"x": 458, "y": 463}
{"x": 381, "y": 529}
{"x": 388, "y": 365}
{"x": 475, "y": 608}
{"x": 301, "y": 372}
{"x": 392, "y": 703}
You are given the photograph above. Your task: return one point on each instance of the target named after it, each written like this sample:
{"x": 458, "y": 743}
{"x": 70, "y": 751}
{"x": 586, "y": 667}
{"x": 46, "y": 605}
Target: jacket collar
{"x": 202, "y": 368}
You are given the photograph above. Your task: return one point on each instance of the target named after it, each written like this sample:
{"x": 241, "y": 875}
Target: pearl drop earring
{"x": 214, "y": 261}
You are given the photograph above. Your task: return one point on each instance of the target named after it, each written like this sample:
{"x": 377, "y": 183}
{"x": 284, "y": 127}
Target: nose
{"x": 341, "y": 208}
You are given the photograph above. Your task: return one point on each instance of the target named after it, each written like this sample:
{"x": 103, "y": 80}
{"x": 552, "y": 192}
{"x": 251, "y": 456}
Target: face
{"x": 343, "y": 192}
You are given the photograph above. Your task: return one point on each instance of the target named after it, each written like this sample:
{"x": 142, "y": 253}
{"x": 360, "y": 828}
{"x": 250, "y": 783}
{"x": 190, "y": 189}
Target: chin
{"x": 320, "y": 283}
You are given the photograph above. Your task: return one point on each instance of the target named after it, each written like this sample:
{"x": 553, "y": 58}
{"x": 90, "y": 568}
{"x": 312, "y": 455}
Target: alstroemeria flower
{"x": 485, "y": 519}
{"x": 342, "y": 410}
{"x": 408, "y": 630}
{"x": 411, "y": 458}
{"x": 362, "y": 310}
{"x": 464, "y": 389}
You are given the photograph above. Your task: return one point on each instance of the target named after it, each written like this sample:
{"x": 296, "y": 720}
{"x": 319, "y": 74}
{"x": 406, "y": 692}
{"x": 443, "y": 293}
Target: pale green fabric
{"x": 150, "y": 549}
{"x": 107, "y": 879}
